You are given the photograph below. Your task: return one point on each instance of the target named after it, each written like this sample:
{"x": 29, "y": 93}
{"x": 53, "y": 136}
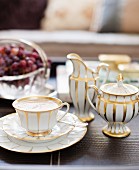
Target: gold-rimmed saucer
{"x": 11, "y": 126}
{"x": 13, "y": 144}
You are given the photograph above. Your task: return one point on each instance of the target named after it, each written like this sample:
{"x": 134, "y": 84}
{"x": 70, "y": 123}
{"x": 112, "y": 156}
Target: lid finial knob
{"x": 120, "y": 79}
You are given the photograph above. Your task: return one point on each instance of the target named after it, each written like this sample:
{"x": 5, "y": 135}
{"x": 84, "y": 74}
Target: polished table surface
{"x": 94, "y": 150}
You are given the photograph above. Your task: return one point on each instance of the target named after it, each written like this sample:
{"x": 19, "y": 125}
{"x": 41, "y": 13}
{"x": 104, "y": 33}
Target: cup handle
{"x": 68, "y": 107}
{"x": 104, "y": 67}
{"x": 88, "y": 98}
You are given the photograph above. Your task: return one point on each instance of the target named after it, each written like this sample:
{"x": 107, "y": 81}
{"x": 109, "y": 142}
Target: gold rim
{"x": 26, "y": 139}
{"x": 39, "y": 134}
{"x": 84, "y": 79}
{"x": 102, "y": 88}
{"x": 116, "y": 102}
{"x": 47, "y": 151}
{"x": 58, "y": 101}
{"x": 89, "y": 118}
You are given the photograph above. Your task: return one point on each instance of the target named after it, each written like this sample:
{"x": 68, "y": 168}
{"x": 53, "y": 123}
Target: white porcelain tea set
{"x": 117, "y": 103}
{"x": 39, "y": 125}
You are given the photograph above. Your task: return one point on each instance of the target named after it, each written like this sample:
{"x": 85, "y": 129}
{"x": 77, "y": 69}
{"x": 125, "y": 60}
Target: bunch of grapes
{"x": 16, "y": 60}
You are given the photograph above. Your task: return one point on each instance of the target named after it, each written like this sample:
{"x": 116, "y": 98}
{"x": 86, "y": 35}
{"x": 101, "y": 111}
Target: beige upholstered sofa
{"x": 58, "y": 44}
{"x": 89, "y": 44}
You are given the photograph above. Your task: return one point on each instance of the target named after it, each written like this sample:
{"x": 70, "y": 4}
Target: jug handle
{"x": 88, "y": 98}
{"x": 103, "y": 66}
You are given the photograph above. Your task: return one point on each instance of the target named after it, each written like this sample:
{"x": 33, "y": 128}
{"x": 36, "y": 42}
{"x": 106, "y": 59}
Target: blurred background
{"x": 86, "y": 27}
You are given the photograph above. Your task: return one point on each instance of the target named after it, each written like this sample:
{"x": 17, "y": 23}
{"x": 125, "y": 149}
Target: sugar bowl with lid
{"x": 118, "y": 104}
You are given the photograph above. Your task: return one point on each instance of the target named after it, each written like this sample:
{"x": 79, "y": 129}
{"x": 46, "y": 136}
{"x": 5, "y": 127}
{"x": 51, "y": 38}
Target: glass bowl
{"x": 13, "y": 87}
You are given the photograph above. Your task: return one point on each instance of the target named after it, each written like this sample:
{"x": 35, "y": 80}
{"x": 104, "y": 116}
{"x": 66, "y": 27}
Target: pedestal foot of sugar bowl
{"x": 116, "y": 130}
{"x": 116, "y": 103}
{"x": 90, "y": 117}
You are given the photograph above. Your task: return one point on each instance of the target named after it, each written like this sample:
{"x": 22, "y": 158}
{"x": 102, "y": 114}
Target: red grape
{"x": 21, "y": 47}
{"x": 1, "y": 61}
{"x": 35, "y": 55}
{"x": 20, "y": 53}
{"x": 15, "y": 66}
{"x": 23, "y": 63}
{"x": 34, "y": 67}
{"x": 7, "y": 50}
{"x": 14, "y": 51}
{"x": 2, "y": 49}
{"x": 30, "y": 63}
{"x": 16, "y": 60}
{"x": 33, "y": 59}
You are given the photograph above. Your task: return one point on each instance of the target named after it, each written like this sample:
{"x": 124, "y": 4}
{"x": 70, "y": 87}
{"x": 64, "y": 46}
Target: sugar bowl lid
{"x": 119, "y": 88}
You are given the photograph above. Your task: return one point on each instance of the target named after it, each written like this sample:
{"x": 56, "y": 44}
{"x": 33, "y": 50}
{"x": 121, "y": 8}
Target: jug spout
{"x": 73, "y": 56}
{"x": 80, "y": 69}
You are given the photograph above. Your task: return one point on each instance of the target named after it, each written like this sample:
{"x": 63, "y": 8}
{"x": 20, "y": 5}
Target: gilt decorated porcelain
{"x": 12, "y": 126}
{"x": 81, "y": 77}
{"x": 36, "y": 121}
{"x": 118, "y": 104}
{"x": 16, "y": 145}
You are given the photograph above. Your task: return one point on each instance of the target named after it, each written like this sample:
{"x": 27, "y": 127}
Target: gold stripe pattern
{"x": 70, "y": 87}
{"x": 98, "y": 106}
{"x": 85, "y": 98}
{"x": 124, "y": 113}
{"x": 78, "y": 70}
{"x": 133, "y": 105}
{"x": 50, "y": 114}
{"x": 105, "y": 106}
{"x": 82, "y": 79}
{"x": 76, "y": 93}
{"x": 115, "y": 102}
{"x": 26, "y": 116}
{"x": 114, "y": 112}
{"x": 38, "y": 118}
{"x": 114, "y": 134}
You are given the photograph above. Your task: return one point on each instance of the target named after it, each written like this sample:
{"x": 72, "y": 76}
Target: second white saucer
{"x": 12, "y": 127}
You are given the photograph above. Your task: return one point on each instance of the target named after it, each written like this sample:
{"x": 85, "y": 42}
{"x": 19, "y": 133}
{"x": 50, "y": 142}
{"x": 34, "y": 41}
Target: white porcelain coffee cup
{"x": 39, "y": 119}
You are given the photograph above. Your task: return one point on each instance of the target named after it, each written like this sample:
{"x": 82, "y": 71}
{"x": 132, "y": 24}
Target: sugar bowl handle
{"x": 103, "y": 66}
{"x": 68, "y": 107}
{"x": 88, "y": 98}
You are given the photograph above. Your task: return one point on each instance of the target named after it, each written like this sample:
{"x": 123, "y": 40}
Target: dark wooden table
{"x": 94, "y": 151}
